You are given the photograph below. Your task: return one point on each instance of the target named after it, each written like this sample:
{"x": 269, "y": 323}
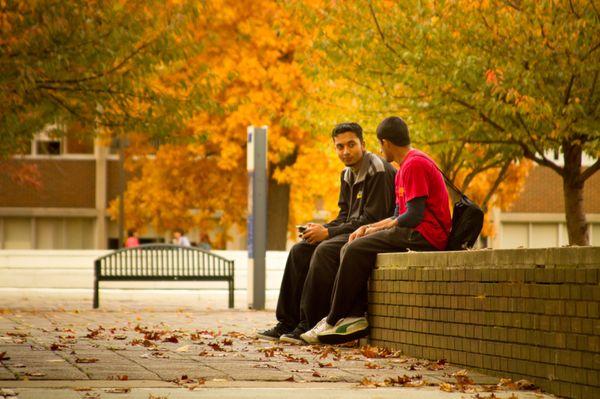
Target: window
{"x": 48, "y": 147}
{"x": 17, "y": 233}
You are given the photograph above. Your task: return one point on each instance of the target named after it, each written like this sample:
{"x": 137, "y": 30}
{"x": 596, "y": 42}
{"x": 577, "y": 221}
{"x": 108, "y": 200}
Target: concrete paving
{"x": 172, "y": 345}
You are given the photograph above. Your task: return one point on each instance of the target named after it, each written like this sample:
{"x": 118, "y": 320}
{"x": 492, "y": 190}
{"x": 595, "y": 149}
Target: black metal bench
{"x": 159, "y": 262}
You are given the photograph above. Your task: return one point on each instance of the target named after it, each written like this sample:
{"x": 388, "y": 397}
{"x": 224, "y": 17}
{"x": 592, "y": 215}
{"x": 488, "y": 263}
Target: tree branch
{"x": 527, "y": 153}
{"x": 385, "y": 43}
{"x": 499, "y": 179}
{"x": 573, "y": 9}
{"x": 480, "y": 113}
{"x": 102, "y": 74}
{"x": 568, "y": 90}
{"x": 588, "y": 172}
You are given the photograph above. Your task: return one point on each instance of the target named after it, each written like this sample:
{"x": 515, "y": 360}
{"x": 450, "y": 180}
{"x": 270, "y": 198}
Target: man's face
{"x": 385, "y": 150}
{"x": 349, "y": 148}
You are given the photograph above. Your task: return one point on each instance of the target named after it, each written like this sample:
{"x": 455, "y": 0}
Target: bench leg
{"x": 231, "y": 292}
{"x": 96, "y": 299}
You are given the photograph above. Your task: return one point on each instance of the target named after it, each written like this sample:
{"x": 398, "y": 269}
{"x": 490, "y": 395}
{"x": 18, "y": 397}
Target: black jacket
{"x": 365, "y": 198}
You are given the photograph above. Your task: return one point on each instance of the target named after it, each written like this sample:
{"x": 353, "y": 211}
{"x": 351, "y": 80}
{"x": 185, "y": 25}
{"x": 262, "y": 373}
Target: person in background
{"x": 204, "y": 242}
{"x": 180, "y": 239}
{"x": 132, "y": 239}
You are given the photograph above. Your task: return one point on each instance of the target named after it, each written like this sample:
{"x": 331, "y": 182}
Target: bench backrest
{"x": 162, "y": 260}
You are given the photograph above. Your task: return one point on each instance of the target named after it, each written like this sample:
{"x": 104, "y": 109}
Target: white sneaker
{"x": 311, "y": 336}
{"x": 345, "y": 330}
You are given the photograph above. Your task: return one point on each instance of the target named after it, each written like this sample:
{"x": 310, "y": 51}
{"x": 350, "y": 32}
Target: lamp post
{"x": 122, "y": 144}
{"x": 257, "y": 215}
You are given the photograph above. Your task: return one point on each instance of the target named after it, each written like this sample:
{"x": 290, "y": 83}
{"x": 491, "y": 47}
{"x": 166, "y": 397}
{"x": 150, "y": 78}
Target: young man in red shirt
{"x": 421, "y": 223}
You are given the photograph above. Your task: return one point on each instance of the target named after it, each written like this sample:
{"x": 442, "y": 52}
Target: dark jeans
{"x": 358, "y": 261}
{"x": 310, "y": 270}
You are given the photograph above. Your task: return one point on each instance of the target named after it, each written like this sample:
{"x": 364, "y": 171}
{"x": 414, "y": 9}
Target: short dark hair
{"x": 395, "y": 130}
{"x": 348, "y": 127}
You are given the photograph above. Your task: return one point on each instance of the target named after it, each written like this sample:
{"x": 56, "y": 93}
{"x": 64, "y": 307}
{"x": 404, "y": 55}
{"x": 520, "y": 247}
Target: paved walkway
{"x": 53, "y": 345}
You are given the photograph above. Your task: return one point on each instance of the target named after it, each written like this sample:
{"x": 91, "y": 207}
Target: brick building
{"x": 537, "y": 219}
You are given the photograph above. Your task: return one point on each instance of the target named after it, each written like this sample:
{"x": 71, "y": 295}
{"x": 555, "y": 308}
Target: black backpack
{"x": 467, "y": 220}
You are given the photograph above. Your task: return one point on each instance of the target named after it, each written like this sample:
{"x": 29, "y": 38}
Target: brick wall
{"x": 525, "y": 313}
{"x": 64, "y": 184}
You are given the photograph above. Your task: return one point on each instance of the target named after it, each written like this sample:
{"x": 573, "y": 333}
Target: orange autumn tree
{"x": 249, "y": 61}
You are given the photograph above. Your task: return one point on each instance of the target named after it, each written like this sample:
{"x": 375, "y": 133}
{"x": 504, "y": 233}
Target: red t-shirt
{"x": 419, "y": 177}
{"x": 132, "y": 242}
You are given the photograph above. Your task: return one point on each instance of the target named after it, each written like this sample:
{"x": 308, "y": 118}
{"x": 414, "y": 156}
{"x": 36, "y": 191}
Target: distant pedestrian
{"x": 132, "y": 239}
{"x": 204, "y": 242}
{"x": 180, "y": 238}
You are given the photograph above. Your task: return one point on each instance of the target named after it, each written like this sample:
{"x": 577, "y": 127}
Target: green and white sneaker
{"x": 345, "y": 330}
{"x": 311, "y": 336}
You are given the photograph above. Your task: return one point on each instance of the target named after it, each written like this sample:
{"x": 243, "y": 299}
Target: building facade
{"x": 80, "y": 178}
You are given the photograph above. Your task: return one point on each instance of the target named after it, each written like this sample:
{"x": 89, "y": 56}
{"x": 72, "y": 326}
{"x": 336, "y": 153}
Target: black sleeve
{"x": 342, "y": 205}
{"x": 415, "y": 209}
{"x": 378, "y": 197}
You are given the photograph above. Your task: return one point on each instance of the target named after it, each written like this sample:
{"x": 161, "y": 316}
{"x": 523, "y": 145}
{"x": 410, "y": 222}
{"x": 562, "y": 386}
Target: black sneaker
{"x": 294, "y": 337}
{"x": 274, "y": 333}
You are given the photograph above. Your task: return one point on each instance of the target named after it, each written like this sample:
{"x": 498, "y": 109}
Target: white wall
{"x": 75, "y": 269}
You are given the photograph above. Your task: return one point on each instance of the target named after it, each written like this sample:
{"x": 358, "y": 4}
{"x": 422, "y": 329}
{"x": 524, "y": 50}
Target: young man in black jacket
{"x": 366, "y": 196}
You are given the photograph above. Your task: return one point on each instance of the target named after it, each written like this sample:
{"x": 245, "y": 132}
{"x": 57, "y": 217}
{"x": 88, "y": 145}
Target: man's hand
{"x": 315, "y": 233}
{"x": 373, "y": 228}
{"x": 358, "y": 233}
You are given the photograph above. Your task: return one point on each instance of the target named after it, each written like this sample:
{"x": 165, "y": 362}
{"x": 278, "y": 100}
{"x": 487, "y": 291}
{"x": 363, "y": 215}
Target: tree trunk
{"x": 277, "y": 215}
{"x": 573, "y": 193}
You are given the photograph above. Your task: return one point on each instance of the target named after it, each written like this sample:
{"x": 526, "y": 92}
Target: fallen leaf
{"x": 35, "y": 374}
{"x": 367, "y": 382}
{"x": 264, "y": 366}
{"x": 525, "y": 385}
{"x": 17, "y": 334}
{"x": 439, "y": 365}
{"x": 216, "y": 347}
{"x": 446, "y": 387}
{"x": 290, "y": 358}
{"x": 123, "y": 377}
{"x": 86, "y": 360}
{"x": 375, "y": 352}
{"x": 184, "y": 348}
{"x": 117, "y": 390}
{"x": 172, "y": 339}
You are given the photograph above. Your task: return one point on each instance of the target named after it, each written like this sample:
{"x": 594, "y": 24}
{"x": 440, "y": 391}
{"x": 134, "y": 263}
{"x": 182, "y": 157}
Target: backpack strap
{"x": 449, "y": 182}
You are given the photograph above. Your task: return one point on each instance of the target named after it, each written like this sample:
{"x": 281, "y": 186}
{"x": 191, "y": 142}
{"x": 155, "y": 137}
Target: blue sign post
{"x": 257, "y": 215}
